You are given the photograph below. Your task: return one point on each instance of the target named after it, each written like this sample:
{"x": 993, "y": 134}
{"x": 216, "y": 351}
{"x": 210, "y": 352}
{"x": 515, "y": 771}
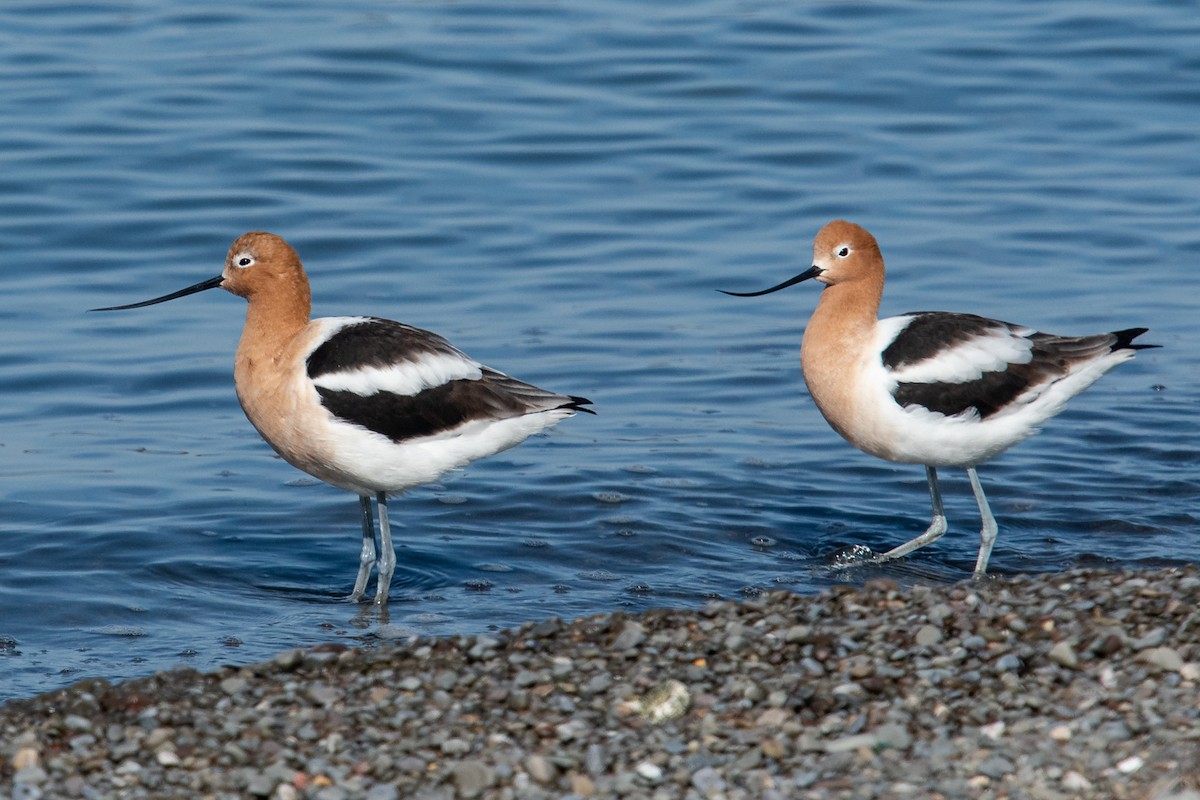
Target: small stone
{"x": 1164, "y": 658}
{"x": 974, "y": 642}
{"x": 595, "y": 759}
{"x": 157, "y": 738}
{"x": 324, "y": 695}
{"x": 582, "y": 785}
{"x": 383, "y": 791}
{"x": 167, "y": 758}
{"x": 649, "y": 771}
{"x": 570, "y": 730}
{"x": 526, "y": 678}
{"x": 1060, "y": 733}
{"x": 853, "y": 742}
{"x": 597, "y": 685}
{"x": 74, "y": 722}
{"x": 540, "y": 769}
{"x": 1063, "y": 654}
{"x": 798, "y": 633}
{"x": 1072, "y": 781}
{"x": 128, "y": 767}
{"x": 928, "y": 635}
{"x": 1130, "y": 765}
{"x": 939, "y": 611}
{"x": 772, "y": 718}
{"x": 456, "y": 747}
{"x": 1008, "y": 663}
{"x": 25, "y": 757}
{"x": 708, "y": 782}
{"x": 625, "y": 783}
{"x": 773, "y": 748}
{"x": 30, "y": 776}
{"x": 233, "y": 685}
{"x": 996, "y": 767}
{"x": 260, "y": 785}
{"x": 472, "y": 777}
{"x": 851, "y": 691}
{"x": 1154, "y": 638}
{"x": 993, "y": 730}
{"x": 632, "y": 634}
{"x": 748, "y": 760}
{"x": 894, "y": 736}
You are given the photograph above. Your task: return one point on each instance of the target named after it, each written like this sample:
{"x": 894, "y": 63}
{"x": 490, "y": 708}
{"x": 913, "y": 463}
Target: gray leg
{"x": 367, "y": 557}
{"x": 936, "y": 528}
{"x": 987, "y": 535}
{"x": 387, "y": 554}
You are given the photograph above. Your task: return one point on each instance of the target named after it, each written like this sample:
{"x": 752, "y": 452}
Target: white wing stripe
{"x": 403, "y": 378}
{"x": 969, "y": 360}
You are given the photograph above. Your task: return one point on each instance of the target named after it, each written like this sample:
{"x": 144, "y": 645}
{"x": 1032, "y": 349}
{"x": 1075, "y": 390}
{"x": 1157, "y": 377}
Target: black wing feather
{"x": 931, "y": 332}
{"x": 382, "y": 343}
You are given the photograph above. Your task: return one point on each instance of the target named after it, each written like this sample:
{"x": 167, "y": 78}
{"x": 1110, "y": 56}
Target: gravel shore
{"x": 1079, "y": 684}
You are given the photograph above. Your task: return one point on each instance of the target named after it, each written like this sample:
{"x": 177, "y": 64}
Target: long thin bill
{"x": 211, "y": 283}
{"x": 811, "y": 272}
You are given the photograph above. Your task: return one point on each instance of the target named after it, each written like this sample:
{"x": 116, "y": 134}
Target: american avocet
{"x": 932, "y": 387}
{"x": 365, "y": 404}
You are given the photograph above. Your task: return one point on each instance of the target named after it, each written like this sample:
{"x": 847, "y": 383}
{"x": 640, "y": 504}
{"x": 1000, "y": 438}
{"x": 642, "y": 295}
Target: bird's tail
{"x": 1125, "y": 339}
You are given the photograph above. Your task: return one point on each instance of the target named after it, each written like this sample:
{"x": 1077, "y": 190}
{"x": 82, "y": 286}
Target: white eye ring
{"x": 843, "y": 252}
{"x": 243, "y": 261}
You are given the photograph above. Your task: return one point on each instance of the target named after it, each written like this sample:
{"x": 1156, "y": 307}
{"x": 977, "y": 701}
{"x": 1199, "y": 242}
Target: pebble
{"x": 1064, "y": 654}
{"x": 928, "y": 635}
{"x": 631, "y": 635}
{"x": 1046, "y": 686}
{"x": 472, "y": 778}
{"x": 1060, "y": 733}
{"x": 649, "y": 771}
{"x": 540, "y": 769}
{"x": 1164, "y": 658}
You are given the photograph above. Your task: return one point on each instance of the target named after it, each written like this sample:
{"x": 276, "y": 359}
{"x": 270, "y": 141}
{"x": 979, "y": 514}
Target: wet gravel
{"x": 1079, "y": 684}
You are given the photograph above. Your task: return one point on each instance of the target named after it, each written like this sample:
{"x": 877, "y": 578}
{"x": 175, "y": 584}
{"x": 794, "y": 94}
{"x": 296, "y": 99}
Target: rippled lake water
{"x": 559, "y": 189}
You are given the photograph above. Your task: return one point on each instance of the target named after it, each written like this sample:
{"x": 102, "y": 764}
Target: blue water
{"x": 559, "y": 189}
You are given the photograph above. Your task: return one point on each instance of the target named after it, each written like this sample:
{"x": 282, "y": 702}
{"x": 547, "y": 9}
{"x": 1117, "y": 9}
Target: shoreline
{"x": 1076, "y": 684}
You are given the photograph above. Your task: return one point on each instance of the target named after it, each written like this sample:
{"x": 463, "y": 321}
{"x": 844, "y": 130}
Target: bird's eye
{"x": 244, "y": 261}
{"x": 842, "y": 253}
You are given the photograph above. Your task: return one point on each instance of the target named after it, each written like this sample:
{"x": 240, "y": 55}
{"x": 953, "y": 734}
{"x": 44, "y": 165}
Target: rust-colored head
{"x": 842, "y": 252}
{"x": 259, "y": 266}
{"x": 262, "y": 262}
{"x": 845, "y": 252}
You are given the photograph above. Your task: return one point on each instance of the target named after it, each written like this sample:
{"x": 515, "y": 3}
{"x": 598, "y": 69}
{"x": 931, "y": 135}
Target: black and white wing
{"x": 404, "y": 382}
{"x": 962, "y": 364}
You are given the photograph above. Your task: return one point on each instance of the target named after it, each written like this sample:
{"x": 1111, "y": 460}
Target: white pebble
{"x": 1060, "y": 733}
{"x": 649, "y": 771}
{"x": 993, "y": 730}
{"x": 1131, "y": 765}
{"x": 1073, "y": 781}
